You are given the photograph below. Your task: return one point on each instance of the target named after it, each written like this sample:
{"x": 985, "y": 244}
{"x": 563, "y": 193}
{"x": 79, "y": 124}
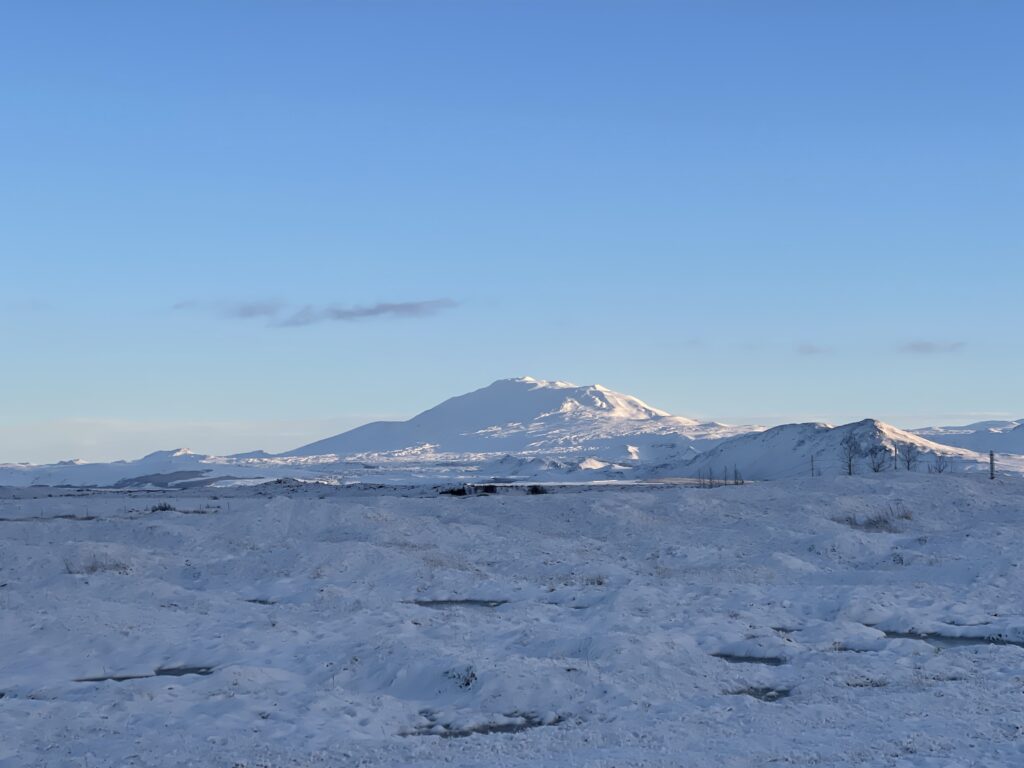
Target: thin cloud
{"x": 281, "y": 315}
{"x": 254, "y": 309}
{"x": 243, "y": 309}
{"x": 309, "y": 315}
{"x": 931, "y": 347}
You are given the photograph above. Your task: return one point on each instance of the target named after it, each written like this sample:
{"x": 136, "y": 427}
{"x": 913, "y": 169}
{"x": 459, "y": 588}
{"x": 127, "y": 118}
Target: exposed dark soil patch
{"x": 840, "y": 648}
{"x": 947, "y": 641}
{"x": 261, "y": 601}
{"x": 112, "y": 678}
{"x": 158, "y": 672}
{"x": 468, "y": 603}
{"x": 83, "y": 518}
{"x": 762, "y": 694}
{"x": 179, "y": 671}
{"x": 771, "y": 661}
{"x": 522, "y": 722}
{"x": 866, "y": 682}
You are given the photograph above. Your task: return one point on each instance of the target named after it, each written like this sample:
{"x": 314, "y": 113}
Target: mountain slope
{"x": 157, "y": 469}
{"x": 998, "y": 436}
{"x": 787, "y": 451}
{"x": 520, "y": 415}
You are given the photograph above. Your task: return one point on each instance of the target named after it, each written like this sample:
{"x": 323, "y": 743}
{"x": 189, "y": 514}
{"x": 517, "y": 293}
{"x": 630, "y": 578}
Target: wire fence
{"x": 824, "y": 465}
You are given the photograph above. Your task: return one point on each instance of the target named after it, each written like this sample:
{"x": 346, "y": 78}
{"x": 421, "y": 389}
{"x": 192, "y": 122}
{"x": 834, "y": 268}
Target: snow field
{"x": 744, "y": 625}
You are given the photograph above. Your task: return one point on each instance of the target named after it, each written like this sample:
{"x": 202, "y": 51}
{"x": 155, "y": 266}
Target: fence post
{"x": 991, "y": 465}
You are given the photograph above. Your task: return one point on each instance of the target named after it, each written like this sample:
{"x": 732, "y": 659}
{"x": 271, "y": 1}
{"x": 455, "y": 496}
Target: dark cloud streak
{"x": 254, "y": 309}
{"x": 309, "y": 315}
{"x": 282, "y": 316}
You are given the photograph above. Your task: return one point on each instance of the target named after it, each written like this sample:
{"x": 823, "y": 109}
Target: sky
{"x": 255, "y": 223}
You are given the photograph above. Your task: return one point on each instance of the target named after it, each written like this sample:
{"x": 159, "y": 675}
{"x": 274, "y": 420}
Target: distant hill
{"x": 983, "y": 436}
{"x": 787, "y": 451}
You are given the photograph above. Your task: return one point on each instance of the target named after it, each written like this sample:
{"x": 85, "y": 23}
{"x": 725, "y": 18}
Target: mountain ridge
{"x": 787, "y": 451}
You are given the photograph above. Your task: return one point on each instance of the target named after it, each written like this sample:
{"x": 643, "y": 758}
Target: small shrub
{"x": 885, "y": 521}
{"x": 464, "y": 678}
{"x": 878, "y": 458}
{"x": 536, "y": 490}
{"x": 910, "y": 454}
{"x": 163, "y": 506}
{"x": 94, "y": 565}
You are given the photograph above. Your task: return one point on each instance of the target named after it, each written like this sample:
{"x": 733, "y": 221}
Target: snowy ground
{"x": 737, "y": 626}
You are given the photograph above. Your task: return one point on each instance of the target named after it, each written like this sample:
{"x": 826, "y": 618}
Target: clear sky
{"x": 252, "y": 223}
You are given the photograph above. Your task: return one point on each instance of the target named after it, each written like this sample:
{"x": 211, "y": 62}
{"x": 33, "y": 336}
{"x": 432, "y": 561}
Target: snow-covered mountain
{"x": 161, "y": 469}
{"x": 516, "y": 428}
{"x": 787, "y": 451}
{"x": 983, "y": 436}
{"x": 535, "y": 430}
{"x": 531, "y": 416}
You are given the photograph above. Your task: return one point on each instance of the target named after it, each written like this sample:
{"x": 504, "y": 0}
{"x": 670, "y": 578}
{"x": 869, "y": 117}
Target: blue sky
{"x": 239, "y": 224}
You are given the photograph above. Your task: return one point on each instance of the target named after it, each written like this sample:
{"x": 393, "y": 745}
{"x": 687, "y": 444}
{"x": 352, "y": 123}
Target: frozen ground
{"x": 286, "y": 625}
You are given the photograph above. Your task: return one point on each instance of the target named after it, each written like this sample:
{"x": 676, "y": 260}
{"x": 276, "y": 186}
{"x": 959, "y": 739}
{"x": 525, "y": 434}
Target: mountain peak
{"x": 533, "y": 383}
{"x": 508, "y": 415}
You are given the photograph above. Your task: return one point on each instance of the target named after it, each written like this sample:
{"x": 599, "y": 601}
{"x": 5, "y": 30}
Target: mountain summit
{"x": 515, "y": 415}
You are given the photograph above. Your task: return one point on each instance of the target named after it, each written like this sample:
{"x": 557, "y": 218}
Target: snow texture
{"x": 874, "y": 620}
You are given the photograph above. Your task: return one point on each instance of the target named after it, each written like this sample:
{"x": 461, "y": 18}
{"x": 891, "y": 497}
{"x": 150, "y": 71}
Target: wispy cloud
{"x": 931, "y": 347}
{"x": 255, "y": 309}
{"x": 310, "y": 314}
{"x": 281, "y": 315}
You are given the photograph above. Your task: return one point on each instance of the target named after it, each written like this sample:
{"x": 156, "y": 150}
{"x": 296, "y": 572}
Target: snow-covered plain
{"x": 297, "y": 624}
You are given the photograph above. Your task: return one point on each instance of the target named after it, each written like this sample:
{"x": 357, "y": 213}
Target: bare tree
{"x": 910, "y": 453}
{"x": 849, "y": 450}
{"x": 878, "y": 457}
{"x": 940, "y": 464}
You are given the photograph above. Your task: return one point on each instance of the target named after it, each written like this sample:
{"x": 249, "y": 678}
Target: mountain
{"x": 526, "y": 415}
{"x": 786, "y": 451}
{"x": 157, "y": 469}
{"x": 533, "y": 430}
{"x": 983, "y": 436}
